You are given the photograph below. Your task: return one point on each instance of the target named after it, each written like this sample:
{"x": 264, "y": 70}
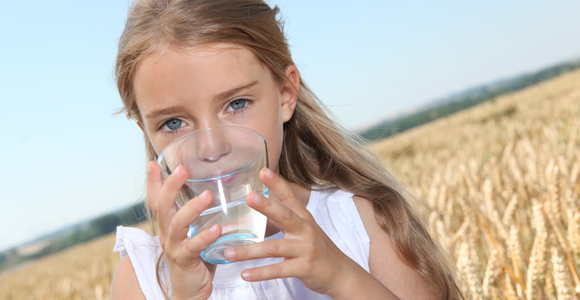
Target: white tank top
{"x": 333, "y": 210}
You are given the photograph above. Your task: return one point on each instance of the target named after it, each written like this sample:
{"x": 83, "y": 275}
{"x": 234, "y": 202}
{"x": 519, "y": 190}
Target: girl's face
{"x": 178, "y": 92}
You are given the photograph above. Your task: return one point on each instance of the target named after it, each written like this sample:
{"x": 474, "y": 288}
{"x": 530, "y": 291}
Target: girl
{"x": 339, "y": 224}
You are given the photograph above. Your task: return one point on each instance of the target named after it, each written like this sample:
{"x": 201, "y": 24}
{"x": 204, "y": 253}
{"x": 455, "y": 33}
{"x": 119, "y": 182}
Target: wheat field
{"x": 81, "y": 272}
{"x": 498, "y": 185}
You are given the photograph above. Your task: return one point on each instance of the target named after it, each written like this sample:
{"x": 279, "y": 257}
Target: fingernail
{"x": 230, "y": 254}
{"x": 203, "y": 196}
{"x": 246, "y": 275}
{"x": 256, "y": 198}
{"x": 214, "y": 228}
{"x": 268, "y": 173}
{"x": 177, "y": 170}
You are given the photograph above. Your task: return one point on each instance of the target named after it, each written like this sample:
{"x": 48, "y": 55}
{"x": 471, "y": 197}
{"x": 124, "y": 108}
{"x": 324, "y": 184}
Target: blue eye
{"x": 174, "y": 124}
{"x": 237, "y": 104}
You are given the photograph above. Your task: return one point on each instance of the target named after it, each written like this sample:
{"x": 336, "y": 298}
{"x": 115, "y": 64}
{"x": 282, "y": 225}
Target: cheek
{"x": 157, "y": 143}
{"x": 270, "y": 125}
{"x": 275, "y": 149}
{"x": 274, "y": 141}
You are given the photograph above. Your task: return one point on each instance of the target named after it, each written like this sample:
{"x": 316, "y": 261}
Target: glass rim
{"x": 181, "y": 138}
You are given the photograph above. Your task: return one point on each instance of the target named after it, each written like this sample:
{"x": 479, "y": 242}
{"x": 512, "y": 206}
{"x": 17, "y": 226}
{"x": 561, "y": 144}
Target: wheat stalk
{"x": 561, "y": 276}
{"x": 491, "y": 273}
{"x": 468, "y": 268}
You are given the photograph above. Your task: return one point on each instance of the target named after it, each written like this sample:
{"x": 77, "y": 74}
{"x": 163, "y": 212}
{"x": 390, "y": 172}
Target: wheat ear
{"x": 561, "y": 277}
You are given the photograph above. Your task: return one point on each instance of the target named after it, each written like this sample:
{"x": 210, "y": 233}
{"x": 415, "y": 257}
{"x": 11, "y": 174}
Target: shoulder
{"x": 125, "y": 284}
{"x": 384, "y": 262}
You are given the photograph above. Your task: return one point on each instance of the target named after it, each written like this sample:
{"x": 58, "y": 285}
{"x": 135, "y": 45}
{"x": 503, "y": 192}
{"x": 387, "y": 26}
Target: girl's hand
{"x": 308, "y": 253}
{"x": 191, "y": 277}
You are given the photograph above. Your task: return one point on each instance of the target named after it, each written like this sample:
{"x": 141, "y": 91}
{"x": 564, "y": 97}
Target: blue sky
{"x": 67, "y": 158}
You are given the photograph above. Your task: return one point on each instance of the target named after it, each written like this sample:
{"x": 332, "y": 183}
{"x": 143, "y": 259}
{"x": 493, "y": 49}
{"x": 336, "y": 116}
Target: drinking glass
{"x": 226, "y": 161}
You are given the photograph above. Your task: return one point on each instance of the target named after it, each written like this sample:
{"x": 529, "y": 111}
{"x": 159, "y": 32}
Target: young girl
{"x": 339, "y": 224}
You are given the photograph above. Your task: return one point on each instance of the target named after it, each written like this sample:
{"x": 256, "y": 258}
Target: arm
{"x": 361, "y": 285}
{"x": 385, "y": 265}
{"x": 125, "y": 284}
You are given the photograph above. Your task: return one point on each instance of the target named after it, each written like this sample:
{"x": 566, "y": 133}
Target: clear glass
{"x": 226, "y": 161}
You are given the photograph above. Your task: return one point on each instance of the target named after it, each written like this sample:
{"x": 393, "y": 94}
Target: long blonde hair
{"x": 333, "y": 156}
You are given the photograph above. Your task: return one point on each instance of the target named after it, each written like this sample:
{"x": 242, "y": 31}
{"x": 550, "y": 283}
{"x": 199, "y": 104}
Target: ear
{"x": 289, "y": 92}
{"x": 141, "y": 126}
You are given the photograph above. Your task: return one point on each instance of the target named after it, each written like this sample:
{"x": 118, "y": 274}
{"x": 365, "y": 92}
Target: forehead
{"x": 210, "y": 68}
{"x": 217, "y": 56}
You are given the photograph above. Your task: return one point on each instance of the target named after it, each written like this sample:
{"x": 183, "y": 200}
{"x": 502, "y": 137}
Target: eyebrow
{"x": 166, "y": 111}
{"x": 178, "y": 108}
{"x": 229, "y": 93}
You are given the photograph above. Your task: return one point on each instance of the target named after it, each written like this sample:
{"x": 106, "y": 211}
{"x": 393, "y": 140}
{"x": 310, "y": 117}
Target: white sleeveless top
{"x": 333, "y": 210}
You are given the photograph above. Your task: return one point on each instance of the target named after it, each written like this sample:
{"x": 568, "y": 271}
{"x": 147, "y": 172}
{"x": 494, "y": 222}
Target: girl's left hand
{"x": 308, "y": 253}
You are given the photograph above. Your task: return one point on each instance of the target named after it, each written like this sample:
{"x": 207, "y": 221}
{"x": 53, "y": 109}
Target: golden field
{"x": 498, "y": 184}
{"x": 81, "y": 272}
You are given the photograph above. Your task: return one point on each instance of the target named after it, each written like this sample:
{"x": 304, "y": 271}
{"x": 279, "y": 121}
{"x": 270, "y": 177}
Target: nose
{"x": 212, "y": 145}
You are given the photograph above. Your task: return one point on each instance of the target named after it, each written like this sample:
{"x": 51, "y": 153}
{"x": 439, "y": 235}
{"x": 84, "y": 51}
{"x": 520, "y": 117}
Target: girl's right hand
{"x": 191, "y": 277}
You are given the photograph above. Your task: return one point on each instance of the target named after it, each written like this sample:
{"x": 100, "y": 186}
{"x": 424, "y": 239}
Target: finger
{"x": 285, "y": 269}
{"x": 282, "y": 191}
{"x": 165, "y": 205}
{"x": 154, "y": 184}
{"x": 272, "y": 248}
{"x": 286, "y": 219}
{"x": 200, "y": 242}
{"x": 180, "y": 222}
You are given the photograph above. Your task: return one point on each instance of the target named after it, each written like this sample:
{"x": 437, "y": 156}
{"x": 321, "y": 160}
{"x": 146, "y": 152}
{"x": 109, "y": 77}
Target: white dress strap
{"x": 144, "y": 252}
{"x": 336, "y": 213}
{"x": 350, "y": 227}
